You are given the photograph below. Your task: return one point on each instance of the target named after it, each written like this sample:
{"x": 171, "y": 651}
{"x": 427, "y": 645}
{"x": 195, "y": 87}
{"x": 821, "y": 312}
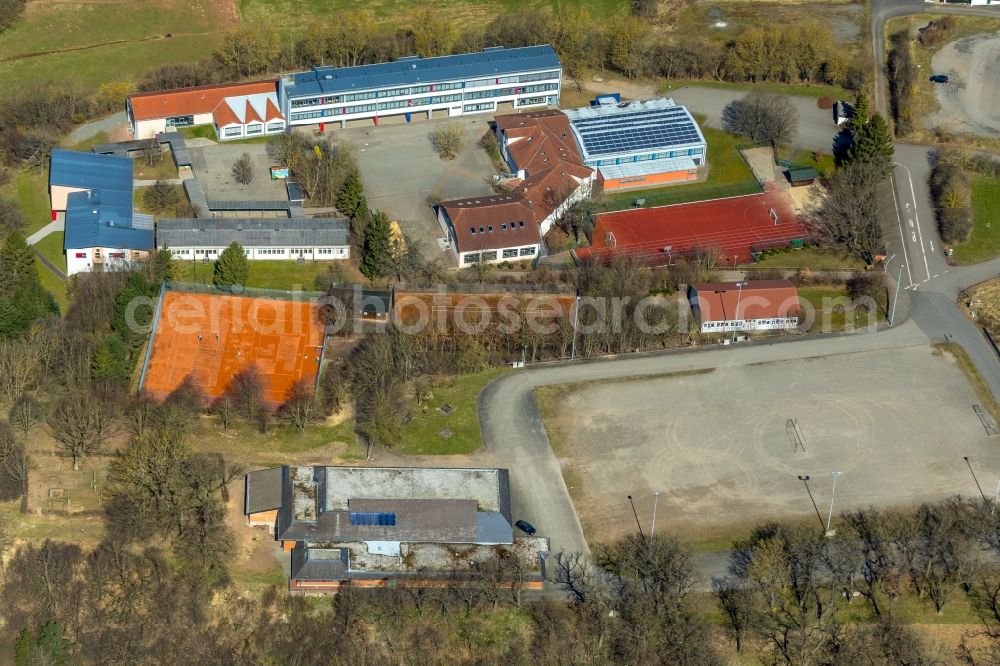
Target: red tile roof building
{"x": 549, "y": 177}
{"x": 758, "y": 305}
{"x": 235, "y": 109}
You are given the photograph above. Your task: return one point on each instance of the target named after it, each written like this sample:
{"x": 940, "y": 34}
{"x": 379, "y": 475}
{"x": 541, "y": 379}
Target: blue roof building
{"x": 95, "y": 193}
{"x": 639, "y": 144}
{"x": 494, "y": 79}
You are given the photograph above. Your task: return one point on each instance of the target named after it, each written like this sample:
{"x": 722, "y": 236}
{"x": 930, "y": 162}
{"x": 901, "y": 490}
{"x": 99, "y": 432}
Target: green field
{"x": 422, "y": 435}
{"x": 829, "y": 306}
{"x": 812, "y": 258}
{"x": 728, "y": 176}
{"x": 286, "y": 275}
{"x": 985, "y": 240}
{"x": 294, "y": 16}
{"x": 84, "y": 44}
{"x": 30, "y": 188}
{"x": 51, "y": 248}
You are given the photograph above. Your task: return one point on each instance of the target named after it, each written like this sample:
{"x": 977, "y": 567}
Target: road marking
{"x": 911, "y": 222}
{"x": 932, "y": 245}
{"x": 913, "y": 198}
{"x": 902, "y": 239}
{"x": 937, "y": 275}
{"x": 913, "y": 236}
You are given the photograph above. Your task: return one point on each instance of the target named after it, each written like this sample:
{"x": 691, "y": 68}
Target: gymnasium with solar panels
{"x": 639, "y": 144}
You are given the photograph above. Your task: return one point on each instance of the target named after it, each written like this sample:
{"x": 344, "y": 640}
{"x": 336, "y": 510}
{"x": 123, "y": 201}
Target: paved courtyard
{"x": 896, "y": 422}
{"x": 400, "y": 170}
{"x": 213, "y": 166}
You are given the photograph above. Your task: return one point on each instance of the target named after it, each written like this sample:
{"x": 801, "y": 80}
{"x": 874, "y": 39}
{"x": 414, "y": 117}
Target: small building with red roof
{"x": 236, "y": 110}
{"x": 752, "y": 305}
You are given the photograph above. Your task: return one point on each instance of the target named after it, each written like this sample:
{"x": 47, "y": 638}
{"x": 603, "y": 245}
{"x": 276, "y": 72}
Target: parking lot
{"x": 970, "y": 101}
{"x": 717, "y": 445}
{"x": 400, "y": 171}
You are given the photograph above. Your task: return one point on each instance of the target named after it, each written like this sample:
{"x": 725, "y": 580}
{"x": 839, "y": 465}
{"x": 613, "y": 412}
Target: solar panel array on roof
{"x": 381, "y": 519}
{"x": 638, "y": 131}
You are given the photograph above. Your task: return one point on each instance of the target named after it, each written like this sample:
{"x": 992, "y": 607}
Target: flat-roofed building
{"x": 754, "y": 305}
{"x": 639, "y": 144}
{"x": 235, "y": 110}
{"x": 370, "y": 525}
{"x": 452, "y": 85}
{"x": 204, "y": 239}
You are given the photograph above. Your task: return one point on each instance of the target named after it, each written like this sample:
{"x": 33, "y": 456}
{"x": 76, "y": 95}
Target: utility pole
{"x": 804, "y": 478}
{"x": 966, "y": 459}
{"x": 736, "y": 315}
{"x": 637, "y": 523}
{"x": 652, "y": 528}
{"x": 833, "y": 497}
{"x": 899, "y": 281}
{"x": 576, "y": 321}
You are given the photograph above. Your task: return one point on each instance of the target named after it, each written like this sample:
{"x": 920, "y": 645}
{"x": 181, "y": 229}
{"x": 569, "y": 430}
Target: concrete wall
{"x": 58, "y": 194}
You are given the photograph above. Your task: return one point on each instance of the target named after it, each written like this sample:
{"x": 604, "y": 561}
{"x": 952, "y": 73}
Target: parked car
{"x": 939, "y": 78}
{"x": 525, "y": 527}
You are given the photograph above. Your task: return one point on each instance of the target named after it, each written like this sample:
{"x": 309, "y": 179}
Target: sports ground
{"x": 212, "y": 338}
{"x": 732, "y": 228}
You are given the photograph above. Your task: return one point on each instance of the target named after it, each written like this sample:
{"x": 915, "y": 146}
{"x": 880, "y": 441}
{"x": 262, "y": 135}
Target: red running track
{"x": 730, "y": 227}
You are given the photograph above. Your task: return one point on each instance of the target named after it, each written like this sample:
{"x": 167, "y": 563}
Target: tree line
{"x": 792, "y": 595}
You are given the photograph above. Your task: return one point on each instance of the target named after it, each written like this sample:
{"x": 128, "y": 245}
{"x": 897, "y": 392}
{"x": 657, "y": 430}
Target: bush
{"x": 161, "y": 196}
{"x": 448, "y": 140}
{"x": 955, "y": 224}
{"x": 826, "y": 102}
{"x": 937, "y": 32}
{"x": 243, "y": 169}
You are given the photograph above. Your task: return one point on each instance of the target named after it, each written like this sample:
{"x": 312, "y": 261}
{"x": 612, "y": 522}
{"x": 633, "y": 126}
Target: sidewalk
{"x": 50, "y": 228}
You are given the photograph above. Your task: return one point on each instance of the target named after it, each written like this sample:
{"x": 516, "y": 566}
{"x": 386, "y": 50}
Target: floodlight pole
{"x": 833, "y": 497}
{"x": 576, "y": 321}
{"x": 804, "y": 478}
{"x": 899, "y": 281}
{"x": 637, "y": 523}
{"x": 736, "y": 315}
{"x": 966, "y": 459}
{"x": 995, "y": 496}
{"x": 652, "y": 528}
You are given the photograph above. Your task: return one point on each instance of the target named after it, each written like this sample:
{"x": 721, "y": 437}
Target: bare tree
{"x": 25, "y": 413}
{"x": 736, "y": 604}
{"x": 152, "y": 152}
{"x": 81, "y": 423}
{"x": 243, "y": 169}
{"x": 246, "y": 390}
{"x": 849, "y": 211}
{"x": 447, "y": 140}
{"x": 301, "y": 408}
{"x": 763, "y": 117}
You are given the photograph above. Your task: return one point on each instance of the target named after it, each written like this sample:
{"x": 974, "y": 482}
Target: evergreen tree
{"x": 17, "y": 263}
{"x": 163, "y": 265}
{"x": 376, "y": 257}
{"x": 111, "y": 360}
{"x": 351, "y": 200}
{"x": 873, "y": 143}
{"x": 861, "y": 113}
{"x": 232, "y": 267}
{"x": 130, "y": 320}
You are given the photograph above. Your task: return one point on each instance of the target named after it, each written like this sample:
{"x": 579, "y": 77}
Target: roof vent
{"x": 328, "y": 77}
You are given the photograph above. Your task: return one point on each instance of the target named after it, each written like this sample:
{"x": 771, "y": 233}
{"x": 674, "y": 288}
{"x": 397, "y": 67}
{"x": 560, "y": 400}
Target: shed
{"x": 295, "y": 192}
{"x": 802, "y": 175}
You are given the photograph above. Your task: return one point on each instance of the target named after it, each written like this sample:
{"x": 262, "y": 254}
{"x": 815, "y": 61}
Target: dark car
{"x": 939, "y": 78}
{"x": 525, "y": 527}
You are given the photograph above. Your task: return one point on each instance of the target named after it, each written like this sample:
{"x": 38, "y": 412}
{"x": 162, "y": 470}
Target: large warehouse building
{"x": 497, "y": 79}
{"x": 639, "y": 144}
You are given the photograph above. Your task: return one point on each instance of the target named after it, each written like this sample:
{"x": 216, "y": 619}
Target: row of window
{"x": 180, "y": 121}
{"x": 252, "y": 129}
{"x": 649, "y": 156}
{"x": 783, "y": 321}
{"x": 491, "y": 255}
{"x": 483, "y": 106}
{"x": 268, "y": 251}
{"x": 503, "y": 227}
{"x": 416, "y": 90}
{"x": 504, "y": 92}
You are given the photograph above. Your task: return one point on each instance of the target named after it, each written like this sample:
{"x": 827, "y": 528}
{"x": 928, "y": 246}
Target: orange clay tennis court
{"x": 214, "y": 337}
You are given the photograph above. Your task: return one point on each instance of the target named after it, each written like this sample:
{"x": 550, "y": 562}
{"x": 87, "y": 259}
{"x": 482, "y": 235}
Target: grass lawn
{"x": 813, "y": 258}
{"x": 139, "y": 200}
{"x": 54, "y": 285}
{"x": 280, "y": 274}
{"x": 199, "y": 132}
{"x": 421, "y": 435}
{"x": 165, "y": 169}
{"x": 824, "y": 165}
{"x": 51, "y": 248}
{"x": 985, "y": 240}
{"x": 827, "y": 304}
{"x": 30, "y": 188}
{"x": 243, "y": 443}
{"x": 85, "y": 44}
{"x": 88, "y": 143}
{"x": 799, "y": 90}
{"x": 728, "y": 176}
